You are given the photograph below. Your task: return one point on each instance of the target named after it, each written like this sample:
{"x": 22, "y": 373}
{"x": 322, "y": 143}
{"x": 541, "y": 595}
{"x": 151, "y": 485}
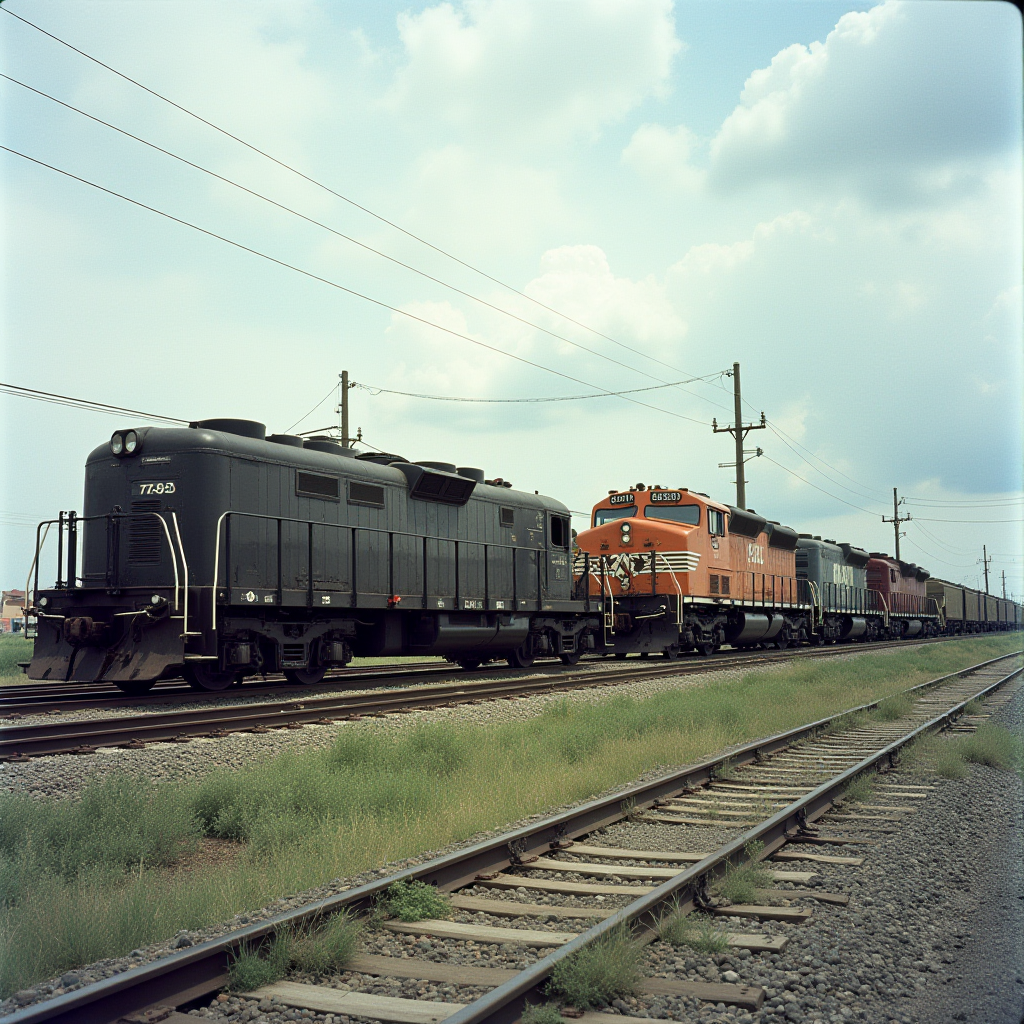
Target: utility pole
{"x": 739, "y": 431}
{"x": 897, "y": 519}
{"x": 985, "y": 559}
{"x": 346, "y": 441}
{"x": 1004, "y": 584}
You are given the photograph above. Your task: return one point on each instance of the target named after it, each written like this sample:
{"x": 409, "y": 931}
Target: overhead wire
{"x": 335, "y": 284}
{"x": 786, "y": 469}
{"x": 82, "y": 403}
{"x": 319, "y": 184}
{"x": 514, "y": 401}
{"x": 326, "y": 227}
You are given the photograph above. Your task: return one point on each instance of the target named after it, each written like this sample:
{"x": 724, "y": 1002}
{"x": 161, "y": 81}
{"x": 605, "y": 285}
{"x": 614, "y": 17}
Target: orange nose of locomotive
{"x": 639, "y": 541}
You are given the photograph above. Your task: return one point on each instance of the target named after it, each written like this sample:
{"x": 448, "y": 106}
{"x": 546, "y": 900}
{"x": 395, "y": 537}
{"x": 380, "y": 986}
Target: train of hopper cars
{"x": 216, "y": 551}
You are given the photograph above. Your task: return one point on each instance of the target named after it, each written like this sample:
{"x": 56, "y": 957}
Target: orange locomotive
{"x": 682, "y": 572}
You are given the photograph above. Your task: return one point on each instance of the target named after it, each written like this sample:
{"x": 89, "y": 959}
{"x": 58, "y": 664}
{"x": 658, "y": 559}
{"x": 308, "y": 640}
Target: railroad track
{"x": 23, "y": 699}
{"x": 217, "y": 719}
{"x": 561, "y": 883}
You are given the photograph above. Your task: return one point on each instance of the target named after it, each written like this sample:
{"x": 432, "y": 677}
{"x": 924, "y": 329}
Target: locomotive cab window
{"x": 508, "y": 517}
{"x": 609, "y": 515}
{"x": 688, "y": 515}
{"x": 313, "y": 485}
{"x": 559, "y": 532}
{"x": 716, "y": 522}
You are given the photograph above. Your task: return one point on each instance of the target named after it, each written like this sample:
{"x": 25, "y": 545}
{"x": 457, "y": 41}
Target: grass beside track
{"x": 83, "y": 880}
{"x": 13, "y": 648}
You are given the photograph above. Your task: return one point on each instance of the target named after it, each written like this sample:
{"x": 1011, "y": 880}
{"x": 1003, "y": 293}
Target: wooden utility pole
{"x": 985, "y": 559}
{"x": 1004, "y": 584}
{"x": 739, "y": 431}
{"x": 346, "y": 441}
{"x": 897, "y": 520}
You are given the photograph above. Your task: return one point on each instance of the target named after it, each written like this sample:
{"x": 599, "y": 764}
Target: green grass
{"x": 862, "y": 788}
{"x": 595, "y": 975}
{"x": 994, "y": 746}
{"x": 743, "y": 883}
{"x": 415, "y": 901}
{"x": 91, "y": 879}
{"x": 897, "y": 706}
{"x": 542, "y": 1013}
{"x": 697, "y": 931}
{"x": 13, "y": 648}
{"x": 972, "y": 707}
{"x": 319, "y": 951}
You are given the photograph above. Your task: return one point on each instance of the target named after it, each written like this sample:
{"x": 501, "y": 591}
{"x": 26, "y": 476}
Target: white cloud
{"x": 533, "y": 72}
{"x": 665, "y": 155}
{"x": 903, "y": 102}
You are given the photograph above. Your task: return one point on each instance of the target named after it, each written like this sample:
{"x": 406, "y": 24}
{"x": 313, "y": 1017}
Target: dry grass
{"x": 303, "y": 819}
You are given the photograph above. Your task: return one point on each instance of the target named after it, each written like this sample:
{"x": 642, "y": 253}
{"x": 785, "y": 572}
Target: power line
{"x": 313, "y": 410}
{"x": 859, "y": 508}
{"x": 335, "y": 284}
{"x": 83, "y": 403}
{"x": 328, "y": 228}
{"x": 969, "y": 522}
{"x": 513, "y": 401}
{"x": 339, "y": 195}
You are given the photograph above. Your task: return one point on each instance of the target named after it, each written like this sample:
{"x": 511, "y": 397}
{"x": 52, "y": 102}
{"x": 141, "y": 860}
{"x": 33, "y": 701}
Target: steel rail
{"x": 102, "y": 694}
{"x": 218, "y": 719}
{"x": 199, "y": 970}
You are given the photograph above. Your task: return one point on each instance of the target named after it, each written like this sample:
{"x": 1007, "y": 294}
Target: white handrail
{"x": 184, "y": 567}
{"x": 679, "y": 589}
{"x": 170, "y": 545}
{"x": 32, "y": 569}
{"x": 216, "y": 565}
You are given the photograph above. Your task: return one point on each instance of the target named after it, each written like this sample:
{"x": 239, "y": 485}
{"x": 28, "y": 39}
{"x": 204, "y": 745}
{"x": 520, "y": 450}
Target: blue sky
{"x": 827, "y": 193}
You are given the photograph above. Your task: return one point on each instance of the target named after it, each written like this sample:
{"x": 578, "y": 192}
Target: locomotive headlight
{"x": 131, "y": 442}
{"x": 626, "y": 528}
{"x": 116, "y": 444}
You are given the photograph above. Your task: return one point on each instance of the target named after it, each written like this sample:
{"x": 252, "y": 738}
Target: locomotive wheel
{"x": 202, "y": 677}
{"x": 470, "y": 663}
{"x": 571, "y": 659}
{"x": 521, "y": 657}
{"x": 135, "y": 687}
{"x": 706, "y": 648}
{"x": 304, "y": 676}
{"x": 671, "y": 653}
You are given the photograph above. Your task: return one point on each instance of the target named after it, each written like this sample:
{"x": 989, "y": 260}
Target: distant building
{"x": 12, "y": 611}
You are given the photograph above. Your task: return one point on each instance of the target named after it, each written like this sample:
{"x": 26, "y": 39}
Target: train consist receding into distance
{"x": 216, "y": 551}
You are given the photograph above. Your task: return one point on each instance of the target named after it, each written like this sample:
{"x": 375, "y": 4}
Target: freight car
{"x": 963, "y": 610}
{"x": 215, "y": 551}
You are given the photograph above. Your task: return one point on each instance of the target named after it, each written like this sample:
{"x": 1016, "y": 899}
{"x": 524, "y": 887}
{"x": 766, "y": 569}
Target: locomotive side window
{"x": 716, "y": 522}
{"x": 609, "y": 515}
{"x": 365, "y": 494}
{"x": 688, "y": 515}
{"x": 559, "y": 532}
{"x": 508, "y": 517}
{"x": 312, "y": 485}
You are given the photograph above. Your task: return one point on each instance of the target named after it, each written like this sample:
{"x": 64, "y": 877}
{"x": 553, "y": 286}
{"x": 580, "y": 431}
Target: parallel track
{"x": 522, "y": 857}
{"x": 218, "y": 719}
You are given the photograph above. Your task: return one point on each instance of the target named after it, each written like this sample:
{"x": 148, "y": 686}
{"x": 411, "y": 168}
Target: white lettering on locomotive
{"x": 842, "y": 574}
{"x": 755, "y": 553}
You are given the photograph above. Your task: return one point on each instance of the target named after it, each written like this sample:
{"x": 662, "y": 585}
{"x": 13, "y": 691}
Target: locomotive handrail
{"x": 72, "y": 521}
{"x": 486, "y": 545}
{"x": 679, "y": 589}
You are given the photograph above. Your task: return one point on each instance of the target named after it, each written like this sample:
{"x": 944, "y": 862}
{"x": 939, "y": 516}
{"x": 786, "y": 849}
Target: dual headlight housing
{"x": 124, "y": 442}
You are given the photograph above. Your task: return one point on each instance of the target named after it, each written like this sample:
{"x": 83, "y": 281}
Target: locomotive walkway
{"x": 217, "y": 718}
{"x": 633, "y": 860}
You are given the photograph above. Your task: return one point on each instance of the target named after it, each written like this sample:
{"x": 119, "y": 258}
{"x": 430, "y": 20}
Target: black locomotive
{"x": 215, "y": 551}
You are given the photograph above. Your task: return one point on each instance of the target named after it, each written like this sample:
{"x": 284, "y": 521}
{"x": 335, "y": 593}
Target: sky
{"x": 589, "y": 197}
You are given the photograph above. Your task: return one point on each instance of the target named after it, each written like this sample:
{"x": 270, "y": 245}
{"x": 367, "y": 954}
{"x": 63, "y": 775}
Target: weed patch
{"x": 595, "y": 975}
{"x": 698, "y": 931}
{"x": 320, "y": 951}
{"x": 742, "y": 883}
{"x": 542, "y": 1013}
{"x": 896, "y": 706}
{"x": 86, "y": 879}
{"x": 994, "y": 746}
{"x": 860, "y": 789}
{"x": 415, "y": 901}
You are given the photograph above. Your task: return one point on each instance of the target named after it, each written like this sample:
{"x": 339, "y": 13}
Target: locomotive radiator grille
{"x": 144, "y": 534}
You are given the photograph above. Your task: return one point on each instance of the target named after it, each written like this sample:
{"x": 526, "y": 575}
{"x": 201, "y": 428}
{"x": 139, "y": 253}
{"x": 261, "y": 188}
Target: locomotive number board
{"x": 622, "y": 499}
{"x": 665, "y": 497}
